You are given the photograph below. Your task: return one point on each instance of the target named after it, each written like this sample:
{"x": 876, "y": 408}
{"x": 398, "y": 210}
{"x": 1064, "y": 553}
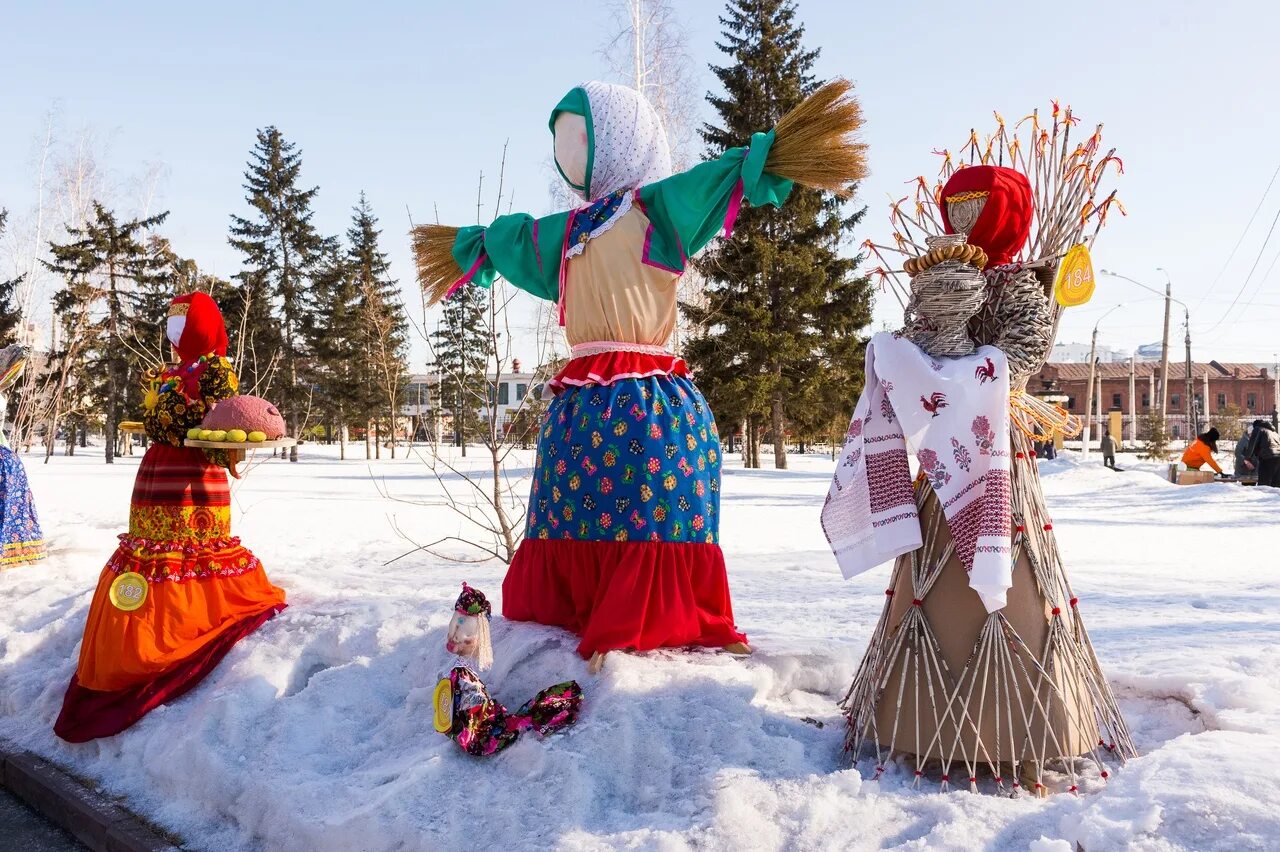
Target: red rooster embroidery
{"x": 985, "y": 372}
{"x": 937, "y": 400}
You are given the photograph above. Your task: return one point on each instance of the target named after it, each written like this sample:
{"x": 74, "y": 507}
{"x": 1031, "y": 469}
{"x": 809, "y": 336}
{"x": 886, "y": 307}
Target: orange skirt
{"x": 203, "y": 592}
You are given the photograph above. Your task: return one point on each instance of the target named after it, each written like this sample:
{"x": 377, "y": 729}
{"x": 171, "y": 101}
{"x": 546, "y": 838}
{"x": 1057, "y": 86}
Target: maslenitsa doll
{"x": 623, "y": 543}
{"x": 980, "y": 670}
{"x": 180, "y": 590}
{"x": 21, "y": 541}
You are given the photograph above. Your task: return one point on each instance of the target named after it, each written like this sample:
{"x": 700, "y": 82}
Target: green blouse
{"x": 686, "y": 211}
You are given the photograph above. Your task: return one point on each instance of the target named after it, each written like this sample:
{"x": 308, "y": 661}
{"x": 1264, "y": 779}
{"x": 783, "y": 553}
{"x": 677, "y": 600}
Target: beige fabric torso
{"x": 612, "y": 295}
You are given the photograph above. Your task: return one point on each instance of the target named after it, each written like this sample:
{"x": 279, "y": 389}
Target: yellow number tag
{"x": 442, "y": 700}
{"x": 1074, "y": 285}
{"x": 128, "y": 591}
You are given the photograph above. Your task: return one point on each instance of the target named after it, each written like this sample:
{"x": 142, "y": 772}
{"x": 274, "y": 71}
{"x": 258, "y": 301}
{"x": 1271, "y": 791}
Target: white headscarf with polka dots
{"x": 630, "y": 142}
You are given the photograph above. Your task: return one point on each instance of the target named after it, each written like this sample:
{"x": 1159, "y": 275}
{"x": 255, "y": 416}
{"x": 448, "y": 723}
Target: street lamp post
{"x": 1088, "y": 399}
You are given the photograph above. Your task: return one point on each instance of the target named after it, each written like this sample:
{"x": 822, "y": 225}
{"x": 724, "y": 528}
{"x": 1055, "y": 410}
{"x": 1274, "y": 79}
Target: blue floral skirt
{"x": 637, "y": 460}
{"x": 20, "y": 538}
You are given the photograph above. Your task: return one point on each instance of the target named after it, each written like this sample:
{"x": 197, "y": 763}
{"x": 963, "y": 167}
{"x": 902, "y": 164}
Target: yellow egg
{"x": 257, "y": 437}
{"x": 236, "y": 435}
{"x": 204, "y": 434}
{"x": 194, "y": 432}
{"x": 219, "y": 435}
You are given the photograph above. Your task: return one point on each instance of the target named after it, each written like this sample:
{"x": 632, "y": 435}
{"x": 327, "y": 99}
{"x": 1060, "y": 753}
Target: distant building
{"x": 1247, "y": 387}
{"x": 1072, "y": 353}
{"x": 426, "y": 412}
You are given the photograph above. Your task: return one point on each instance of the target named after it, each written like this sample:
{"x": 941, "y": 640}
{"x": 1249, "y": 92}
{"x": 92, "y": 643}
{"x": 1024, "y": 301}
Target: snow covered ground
{"x": 315, "y": 733}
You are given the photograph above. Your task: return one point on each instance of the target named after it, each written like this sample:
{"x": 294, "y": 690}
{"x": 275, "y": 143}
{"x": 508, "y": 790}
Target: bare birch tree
{"x": 648, "y": 50}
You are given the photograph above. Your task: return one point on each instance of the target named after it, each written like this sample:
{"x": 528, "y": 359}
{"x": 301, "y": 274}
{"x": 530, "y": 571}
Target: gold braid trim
{"x": 967, "y": 196}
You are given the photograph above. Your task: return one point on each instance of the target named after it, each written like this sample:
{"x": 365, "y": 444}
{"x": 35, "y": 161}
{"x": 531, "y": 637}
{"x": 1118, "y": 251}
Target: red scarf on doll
{"x": 1005, "y": 221}
{"x": 196, "y": 329}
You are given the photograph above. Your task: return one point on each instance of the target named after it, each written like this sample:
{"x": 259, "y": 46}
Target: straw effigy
{"x": 1013, "y": 699}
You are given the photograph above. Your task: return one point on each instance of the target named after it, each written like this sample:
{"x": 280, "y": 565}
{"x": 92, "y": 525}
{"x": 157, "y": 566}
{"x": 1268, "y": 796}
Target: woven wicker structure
{"x": 1015, "y": 698}
{"x": 945, "y": 295}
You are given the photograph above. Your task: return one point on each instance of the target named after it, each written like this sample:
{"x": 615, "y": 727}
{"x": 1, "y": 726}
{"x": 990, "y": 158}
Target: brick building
{"x": 1248, "y": 387}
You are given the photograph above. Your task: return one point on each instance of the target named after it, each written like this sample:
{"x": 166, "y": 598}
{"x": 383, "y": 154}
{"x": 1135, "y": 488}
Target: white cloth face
{"x": 571, "y": 147}
{"x": 629, "y": 144}
{"x": 173, "y": 329}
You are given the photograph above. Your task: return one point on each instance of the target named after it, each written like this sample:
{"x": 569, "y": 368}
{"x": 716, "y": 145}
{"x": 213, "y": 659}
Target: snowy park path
{"x": 315, "y": 733}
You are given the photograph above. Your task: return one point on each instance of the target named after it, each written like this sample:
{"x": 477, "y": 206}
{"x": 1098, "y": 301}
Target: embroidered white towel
{"x": 953, "y": 413}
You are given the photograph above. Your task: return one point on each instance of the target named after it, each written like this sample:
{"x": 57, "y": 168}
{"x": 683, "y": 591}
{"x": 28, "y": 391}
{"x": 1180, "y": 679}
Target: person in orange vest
{"x": 1201, "y": 452}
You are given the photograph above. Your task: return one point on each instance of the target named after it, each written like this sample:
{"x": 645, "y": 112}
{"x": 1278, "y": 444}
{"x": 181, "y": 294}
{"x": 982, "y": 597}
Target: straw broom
{"x": 813, "y": 143}
{"x": 433, "y": 257}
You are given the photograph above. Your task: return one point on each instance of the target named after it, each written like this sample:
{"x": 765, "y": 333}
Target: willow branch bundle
{"x": 433, "y": 258}
{"x": 813, "y": 143}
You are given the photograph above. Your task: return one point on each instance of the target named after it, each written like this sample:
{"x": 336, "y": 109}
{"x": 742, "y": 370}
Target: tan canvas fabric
{"x": 956, "y": 616}
{"x": 611, "y": 294}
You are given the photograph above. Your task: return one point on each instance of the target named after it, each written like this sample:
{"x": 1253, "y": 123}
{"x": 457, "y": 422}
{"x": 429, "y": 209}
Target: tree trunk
{"x": 392, "y": 420}
{"x": 778, "y": 426}
{"x": 377, "y": 439}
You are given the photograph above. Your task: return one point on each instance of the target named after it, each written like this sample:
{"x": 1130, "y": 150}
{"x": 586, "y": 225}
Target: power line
{"x": 1247, "y": 278}
{"x": 1240, "y": 241}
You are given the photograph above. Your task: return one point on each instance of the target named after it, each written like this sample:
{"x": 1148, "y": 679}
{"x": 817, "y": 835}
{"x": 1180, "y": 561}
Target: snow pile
{"x": 315, "y": 733}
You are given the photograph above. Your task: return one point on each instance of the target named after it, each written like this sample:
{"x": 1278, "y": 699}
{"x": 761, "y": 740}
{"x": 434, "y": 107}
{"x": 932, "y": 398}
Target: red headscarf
{"x": 203, "y": 333}
{"x": 1005, "y": 221}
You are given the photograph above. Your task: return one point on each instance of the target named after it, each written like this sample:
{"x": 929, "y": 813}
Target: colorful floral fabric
{"x": 169, "y": 523}
{"x": 167, "y": 411}
{"x": 20, "y": 533}
{"x": 482, "y": 726}
{"x": 638, "y": 460}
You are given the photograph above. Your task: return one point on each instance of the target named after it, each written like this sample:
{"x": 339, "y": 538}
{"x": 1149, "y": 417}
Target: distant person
{"x": 1201, "y": 451}
{"x": 1242, "y": 452}
{"x": 1263, "y": 453}
{"x": 1109, "y": 448}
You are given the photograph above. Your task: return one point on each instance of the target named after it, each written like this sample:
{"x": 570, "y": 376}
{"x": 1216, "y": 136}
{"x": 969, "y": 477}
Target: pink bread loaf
{"x": 250, "y": 413}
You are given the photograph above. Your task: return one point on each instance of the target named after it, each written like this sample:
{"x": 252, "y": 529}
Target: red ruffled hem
{"x": 88, "y": 714}
{"x": 182, "y": 560}
{"x": 608, "y": 367}
{"x": 623, "y": 595}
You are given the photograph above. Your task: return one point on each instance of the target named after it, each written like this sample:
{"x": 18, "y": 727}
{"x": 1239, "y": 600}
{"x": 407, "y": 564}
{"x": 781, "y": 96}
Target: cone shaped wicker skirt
{"x": 946, "y": 684}
{"x": 623, "y": 535}
{"x": 21, "y": 541}
{"x": 204, "y": 592}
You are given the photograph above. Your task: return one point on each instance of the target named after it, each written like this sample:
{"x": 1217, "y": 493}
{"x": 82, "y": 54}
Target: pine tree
{"x": 779, "y": 328}
{"x": 1155, "y": 433}
{"x": 281, "y": 248}
{"x": 385, "y": 330}
{"x": 337, "y": 365}
{"x": 104, "y": 264}
{"x": 10, "y": 312}
{"x": 461, "y": 350}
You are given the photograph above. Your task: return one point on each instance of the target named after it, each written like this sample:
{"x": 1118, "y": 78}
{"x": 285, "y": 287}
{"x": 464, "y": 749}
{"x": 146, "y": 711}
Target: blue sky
{"x": 409, "y": 101}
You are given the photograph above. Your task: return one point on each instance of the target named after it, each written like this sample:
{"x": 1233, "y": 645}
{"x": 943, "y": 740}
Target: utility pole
{"x": 1133, "y": 402}
{"x": 1093, "y": 371}
{"x": 1193, "y": 422}
{"x": 1164, "y": 352}
{"x": 1088, "y": 397}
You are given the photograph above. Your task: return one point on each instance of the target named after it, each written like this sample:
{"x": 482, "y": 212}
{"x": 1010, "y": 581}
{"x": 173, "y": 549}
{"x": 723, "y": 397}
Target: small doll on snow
{"x": 463, "y": 709}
